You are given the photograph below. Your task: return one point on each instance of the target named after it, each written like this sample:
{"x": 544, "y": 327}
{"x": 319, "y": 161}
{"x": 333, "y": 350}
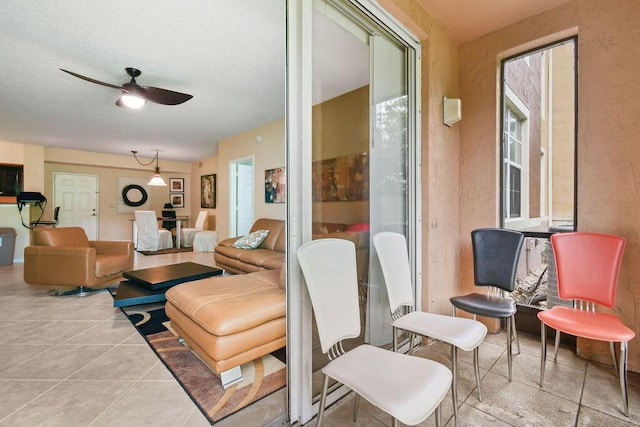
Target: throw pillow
{"x": 251, "y": 240}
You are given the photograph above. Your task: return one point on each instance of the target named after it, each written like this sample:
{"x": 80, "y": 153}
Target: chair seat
{"x": 587, "y": 324}
{"x": 407, "y": 387}
{"x": 465, "y": 334}
{"x": 205, "y": 241}
{"x": 485, "y": 305}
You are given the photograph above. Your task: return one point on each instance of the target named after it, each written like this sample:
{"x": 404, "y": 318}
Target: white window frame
{"x": 514, "y": 104}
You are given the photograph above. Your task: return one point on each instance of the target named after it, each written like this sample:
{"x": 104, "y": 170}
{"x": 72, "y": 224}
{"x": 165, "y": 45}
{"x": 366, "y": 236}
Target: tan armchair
{"x": 64, "y": 259}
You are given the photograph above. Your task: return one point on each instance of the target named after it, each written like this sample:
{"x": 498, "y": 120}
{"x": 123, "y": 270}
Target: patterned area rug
{"x": 167, "y": 251}
{"x": 261, "y": 377}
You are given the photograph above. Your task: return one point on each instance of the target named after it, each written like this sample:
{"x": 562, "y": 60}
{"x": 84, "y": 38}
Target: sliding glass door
{"x": 352, "y": 159}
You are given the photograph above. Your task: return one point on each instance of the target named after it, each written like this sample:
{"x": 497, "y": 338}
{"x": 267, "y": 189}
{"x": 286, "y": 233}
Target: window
{"x": 539, "y": 139}
{"x": 512, "y": 164}
{"x": 538, "y": 155}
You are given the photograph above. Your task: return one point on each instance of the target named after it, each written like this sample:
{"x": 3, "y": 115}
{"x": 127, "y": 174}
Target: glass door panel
{"x": 359, "y": 151}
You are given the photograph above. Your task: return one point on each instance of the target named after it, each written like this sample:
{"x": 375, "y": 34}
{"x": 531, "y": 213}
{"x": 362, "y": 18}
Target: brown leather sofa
{"x": 64, "y": 259}
{"x": 231, "y": 320}
{"x": 268, "y": 256}
{"x": 271, "y": 253}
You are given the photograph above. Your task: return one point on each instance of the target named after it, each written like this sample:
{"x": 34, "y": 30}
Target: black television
{"x": 11, "y": 179}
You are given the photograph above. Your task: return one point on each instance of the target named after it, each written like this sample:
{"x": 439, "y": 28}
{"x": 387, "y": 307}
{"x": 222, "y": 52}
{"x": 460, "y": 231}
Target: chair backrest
{"x": 146, "y": 221}
{"x": 169, "y": 225}
{"x": 588, "y": 265}
{"x": 202, "y": 219}
{"x": 329, "y": 268}
{"x": 496, "y": 252}
{"x": 394, "y": 260}
{"x": 65, "y": 236}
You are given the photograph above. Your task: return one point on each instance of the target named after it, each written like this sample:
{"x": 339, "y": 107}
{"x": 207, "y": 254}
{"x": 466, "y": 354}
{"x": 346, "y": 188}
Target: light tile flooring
{"x": 79, "y": 362}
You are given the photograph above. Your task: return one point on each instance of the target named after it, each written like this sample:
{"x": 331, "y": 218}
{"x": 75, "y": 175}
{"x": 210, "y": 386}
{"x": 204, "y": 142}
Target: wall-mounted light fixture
{"x": 451, "y": 110}
{"x": 157, "y": 180}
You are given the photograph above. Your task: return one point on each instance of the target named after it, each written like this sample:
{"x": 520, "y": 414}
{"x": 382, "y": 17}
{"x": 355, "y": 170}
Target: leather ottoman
{"x": 230, "y": 320}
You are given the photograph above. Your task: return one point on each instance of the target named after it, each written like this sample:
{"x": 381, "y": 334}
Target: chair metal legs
{"x": 621, "y": 367}
{"x": 623, "y": 377}
{"x": 476, "y": 368}
{"x": 557, "y": 346}
{"x": 476, "y": 362}
{"x": 514, "y": 331}
{"x": 509, "y": 340}
{"x": 543, "y": 351}
{"x": 454, "y": 383}
{"x": 323, "y": 399}
{"x": 612, "y": 346}
{"x": 356, "y": 406}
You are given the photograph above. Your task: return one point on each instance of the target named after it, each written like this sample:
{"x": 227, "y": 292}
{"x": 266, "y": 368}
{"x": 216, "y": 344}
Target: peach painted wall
{"x": 608, "y": 149}
{"x": 206, "y": 166}
{"x": 113, "y": 225}
{"x": 268, "y": 152}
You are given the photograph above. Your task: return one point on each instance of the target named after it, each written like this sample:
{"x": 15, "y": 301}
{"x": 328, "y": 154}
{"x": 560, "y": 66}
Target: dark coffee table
{"x": 148, "y": 285}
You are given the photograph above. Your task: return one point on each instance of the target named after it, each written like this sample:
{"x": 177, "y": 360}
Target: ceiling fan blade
{"x": 89, "y": 79}
{"x": 165, "y": 96}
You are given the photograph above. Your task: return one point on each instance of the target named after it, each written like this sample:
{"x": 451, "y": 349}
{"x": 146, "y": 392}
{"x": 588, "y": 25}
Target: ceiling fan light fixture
{"x": 129, "y": 100}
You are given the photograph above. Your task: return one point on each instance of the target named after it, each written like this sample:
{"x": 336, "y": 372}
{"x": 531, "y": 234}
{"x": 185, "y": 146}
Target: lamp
{"x": 157, "y": 180}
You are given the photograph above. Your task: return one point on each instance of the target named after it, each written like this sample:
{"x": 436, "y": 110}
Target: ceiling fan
{"x": 134, "y": 95}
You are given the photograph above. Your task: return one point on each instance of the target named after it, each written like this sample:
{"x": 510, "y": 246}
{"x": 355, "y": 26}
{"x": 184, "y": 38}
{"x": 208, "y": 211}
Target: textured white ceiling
{"x": 230, "y": 55}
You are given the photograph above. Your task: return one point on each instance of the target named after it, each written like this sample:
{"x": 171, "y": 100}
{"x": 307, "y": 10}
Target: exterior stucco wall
{"x": 608, "y": 154}
{"x": 461, "y": 164}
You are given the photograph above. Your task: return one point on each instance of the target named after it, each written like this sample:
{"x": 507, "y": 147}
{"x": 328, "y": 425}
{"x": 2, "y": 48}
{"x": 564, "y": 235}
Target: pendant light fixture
{"x": 157, "y": 180}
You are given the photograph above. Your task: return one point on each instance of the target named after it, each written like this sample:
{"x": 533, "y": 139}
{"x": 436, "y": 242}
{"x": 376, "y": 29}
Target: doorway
{"x": 77, "y": 196}
{"x": 241, "y": 193}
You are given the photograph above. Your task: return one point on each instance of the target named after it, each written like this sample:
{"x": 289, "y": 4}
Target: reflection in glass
{"x": 359, "y": 155}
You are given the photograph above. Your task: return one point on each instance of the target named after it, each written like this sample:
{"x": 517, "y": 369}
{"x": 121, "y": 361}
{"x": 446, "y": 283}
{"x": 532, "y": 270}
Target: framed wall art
{"x": 133, "y": 194}
{"x": 274, "y": 185}
{"x": 177, "y": 200}
{"x": 208, "y": 191}
{"x": 176, "y": 185}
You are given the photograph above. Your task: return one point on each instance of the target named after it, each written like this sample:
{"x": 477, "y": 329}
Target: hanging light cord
{"x": 146, "y": 164}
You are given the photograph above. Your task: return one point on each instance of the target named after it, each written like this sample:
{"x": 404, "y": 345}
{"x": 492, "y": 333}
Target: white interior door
{"x": 242, "y": 194}
{"x": 245, "y": 198}
{"x": 77, "y": 196}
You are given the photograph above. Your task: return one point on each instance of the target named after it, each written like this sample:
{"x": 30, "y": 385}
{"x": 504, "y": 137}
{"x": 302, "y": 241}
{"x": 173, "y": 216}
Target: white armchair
{"x": 187, "y": 234}
{"x": 149, "y": 236}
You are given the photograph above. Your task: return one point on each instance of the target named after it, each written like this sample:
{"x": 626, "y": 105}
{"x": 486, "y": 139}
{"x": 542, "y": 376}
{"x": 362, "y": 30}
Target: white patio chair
{"x": 406, "y": 387}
